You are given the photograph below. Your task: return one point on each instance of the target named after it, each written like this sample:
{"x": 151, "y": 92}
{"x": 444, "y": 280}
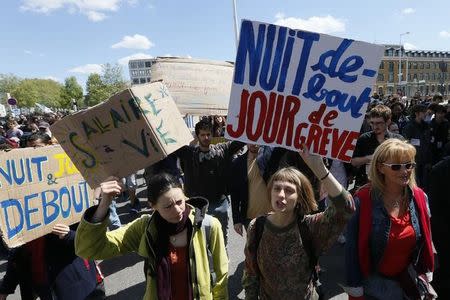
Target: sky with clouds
{"x": 60, "y": 38}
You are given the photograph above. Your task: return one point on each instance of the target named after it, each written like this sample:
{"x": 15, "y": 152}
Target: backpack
{"x": 307, "y": 241}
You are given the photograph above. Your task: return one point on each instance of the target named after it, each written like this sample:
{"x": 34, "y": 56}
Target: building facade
{"x": 412, "y": 72}
{"x": 140, "y": 70}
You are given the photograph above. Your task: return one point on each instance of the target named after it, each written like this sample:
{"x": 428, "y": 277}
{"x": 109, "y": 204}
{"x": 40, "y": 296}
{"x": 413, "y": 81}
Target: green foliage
{"x": 43, "y": 91}
{"x": 100, "y": 87}
{"x": 71, "y": 91}
{"x": 8, "y": 82}
{"x": 96, "y": 90}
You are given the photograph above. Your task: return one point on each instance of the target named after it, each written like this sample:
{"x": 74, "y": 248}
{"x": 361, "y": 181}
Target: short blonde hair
{"x": 306, "y": 201}
{"x": 391, "y": 149}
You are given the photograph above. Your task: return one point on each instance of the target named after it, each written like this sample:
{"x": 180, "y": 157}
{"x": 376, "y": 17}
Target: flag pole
{"x": 235, "y": 23}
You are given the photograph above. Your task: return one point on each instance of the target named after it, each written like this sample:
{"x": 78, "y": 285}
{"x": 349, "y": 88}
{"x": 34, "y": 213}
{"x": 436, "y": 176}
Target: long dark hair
{"x": 159, "y": 184}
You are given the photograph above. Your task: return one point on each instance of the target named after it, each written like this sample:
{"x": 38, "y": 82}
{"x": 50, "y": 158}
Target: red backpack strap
{"x": 426, "y": 256}
{"x": 365, "y": 226}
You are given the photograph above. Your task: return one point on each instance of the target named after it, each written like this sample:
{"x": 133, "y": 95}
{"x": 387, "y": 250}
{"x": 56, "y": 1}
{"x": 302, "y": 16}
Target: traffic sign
{"x": 12, "y": 101}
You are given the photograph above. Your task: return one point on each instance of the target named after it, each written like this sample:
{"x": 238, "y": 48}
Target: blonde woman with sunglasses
{"x": 389, "y": 249}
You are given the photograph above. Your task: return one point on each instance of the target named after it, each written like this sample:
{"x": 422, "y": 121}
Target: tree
{"x": 43, "y": 91}
{"x": 71, "y": 91}
{"x": 96, "y": 90}
{"x": 8, "y": 82}
{"x": 101, "y": 87}
{"x": 112, "y": 78}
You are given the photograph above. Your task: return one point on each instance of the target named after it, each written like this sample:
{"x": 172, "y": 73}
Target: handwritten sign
{"x": 292, "y": 87}
{"x": 39, "y": 188}
{"x": 132, "y": 130}
{"x": 199, "y": 87}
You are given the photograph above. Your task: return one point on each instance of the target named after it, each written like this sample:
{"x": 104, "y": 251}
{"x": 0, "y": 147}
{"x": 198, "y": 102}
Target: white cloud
{"x": 409, "y": 46}
{"x": 28, "y": 52}
{"x": 95, "y": 16}
{"x": 136, "y": 41}
{"x": 326, "y": 24}
{"x": 124, "y": 60}
{"x": 87, "y": 69}
{"x": 408, "y": 11}
{"x": 95, "y": 10}
{"x": 444, "y": 34}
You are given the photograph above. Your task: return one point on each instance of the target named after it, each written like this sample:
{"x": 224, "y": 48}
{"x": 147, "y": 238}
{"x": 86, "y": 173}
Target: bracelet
{"x": 326, "y": 175}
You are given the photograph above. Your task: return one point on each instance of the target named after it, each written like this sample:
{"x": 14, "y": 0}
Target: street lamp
{"x": 400, "y": 59}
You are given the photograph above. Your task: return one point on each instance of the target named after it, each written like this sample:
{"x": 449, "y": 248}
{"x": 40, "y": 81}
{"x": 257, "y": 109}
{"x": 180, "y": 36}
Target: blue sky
{"x": 60, "y": 38}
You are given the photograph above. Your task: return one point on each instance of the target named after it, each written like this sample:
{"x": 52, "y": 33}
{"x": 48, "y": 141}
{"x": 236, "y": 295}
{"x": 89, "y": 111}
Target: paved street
{"x": 125, "y": 276}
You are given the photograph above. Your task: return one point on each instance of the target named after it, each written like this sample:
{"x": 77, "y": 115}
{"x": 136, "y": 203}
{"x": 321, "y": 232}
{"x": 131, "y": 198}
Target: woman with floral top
{"x": 277, "y": 262}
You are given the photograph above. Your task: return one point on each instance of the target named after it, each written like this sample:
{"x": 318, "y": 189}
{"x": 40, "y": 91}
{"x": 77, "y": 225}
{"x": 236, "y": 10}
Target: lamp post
{"x": 400, "y": 59}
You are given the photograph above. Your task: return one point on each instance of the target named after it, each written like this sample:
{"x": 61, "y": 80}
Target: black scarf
{"x": 165, "y": 230}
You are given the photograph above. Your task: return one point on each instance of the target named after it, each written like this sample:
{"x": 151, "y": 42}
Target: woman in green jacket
{"x": 184, "y": 259}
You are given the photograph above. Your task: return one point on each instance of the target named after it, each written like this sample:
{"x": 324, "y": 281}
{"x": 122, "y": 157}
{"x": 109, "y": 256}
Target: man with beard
{"x": 206, "y": 170}
{"x": 379, "y": 119}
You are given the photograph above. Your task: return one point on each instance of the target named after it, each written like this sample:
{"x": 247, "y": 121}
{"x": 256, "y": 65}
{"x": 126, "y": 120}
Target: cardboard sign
{"x": 199, "y": 87}
{"x": 293, "y": 87}
{"x": 39, "y": 188}
{"x": 130, "y": 131}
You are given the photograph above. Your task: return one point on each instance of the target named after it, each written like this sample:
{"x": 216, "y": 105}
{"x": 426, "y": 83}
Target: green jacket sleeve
{"x": 220, "y": 260}
{"x": 92, "y": 240}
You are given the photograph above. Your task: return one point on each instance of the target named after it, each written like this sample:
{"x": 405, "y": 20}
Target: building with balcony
{"x": 408, "y": 72}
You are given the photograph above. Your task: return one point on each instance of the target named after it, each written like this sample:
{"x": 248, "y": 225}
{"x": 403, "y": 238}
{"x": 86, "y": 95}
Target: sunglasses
{"x": 397, "y": 167}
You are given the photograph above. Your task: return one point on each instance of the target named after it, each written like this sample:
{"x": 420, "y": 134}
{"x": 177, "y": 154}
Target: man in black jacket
{"x": 440, "y": 225}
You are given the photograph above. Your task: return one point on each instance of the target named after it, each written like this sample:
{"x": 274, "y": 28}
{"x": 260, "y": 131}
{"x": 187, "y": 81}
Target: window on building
{"x": 421, "y": 76}
{"x": 420, "y": 65}
{"x": 415, "y": 77}
{"x": 433, "y": 76}
{"x": 142, "y": 80}
{"x": 382, "y": 65}
{"x": 391, "y": 66}
{"x": 135, "y": 81}
{"x": 141, "y": 64}
{"x": 133, "y": 65}
{"x": 148, "y": 79}
{"x": 432, "y": 88}
{"x": 428, "y": 65}
{"x": 148, "y": 64}
{"x": 409, "y": 77}
{"x": 380, "y": 77}
{"x": 391, "y": 77}
{"x": 427, "y": 76}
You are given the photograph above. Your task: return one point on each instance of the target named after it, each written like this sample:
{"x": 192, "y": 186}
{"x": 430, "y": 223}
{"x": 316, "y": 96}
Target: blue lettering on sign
{"x": 27, "y": 167}
{"x": 46, "y": 206}
{"x": 29, "y": 212}
{"x": 265, "y": 57}
{"x": 48, "y": 218}
{"x": 11, "y": 232}
{"x": 335, "y": 98}
{"x": 64, "y": 191}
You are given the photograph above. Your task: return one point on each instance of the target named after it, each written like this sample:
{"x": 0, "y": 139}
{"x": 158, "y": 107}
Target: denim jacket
{"x": 379, "y": 235}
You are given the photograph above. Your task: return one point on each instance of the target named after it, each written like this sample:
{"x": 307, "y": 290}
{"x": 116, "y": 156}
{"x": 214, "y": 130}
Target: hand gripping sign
{"x": 292, "y": 87}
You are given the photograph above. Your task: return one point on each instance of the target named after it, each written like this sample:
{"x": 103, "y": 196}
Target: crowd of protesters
{"x": 292, "y": 205}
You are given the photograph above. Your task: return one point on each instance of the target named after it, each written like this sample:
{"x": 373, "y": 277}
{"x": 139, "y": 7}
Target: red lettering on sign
{"x": 291, "y": 107}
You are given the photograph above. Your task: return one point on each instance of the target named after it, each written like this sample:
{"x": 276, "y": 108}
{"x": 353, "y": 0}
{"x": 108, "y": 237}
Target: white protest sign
{"x": 2, "y": 110}
{"x": 130, "y": 131}
{"x": 199, "y": 87}
{"x": 292, "y": 87}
